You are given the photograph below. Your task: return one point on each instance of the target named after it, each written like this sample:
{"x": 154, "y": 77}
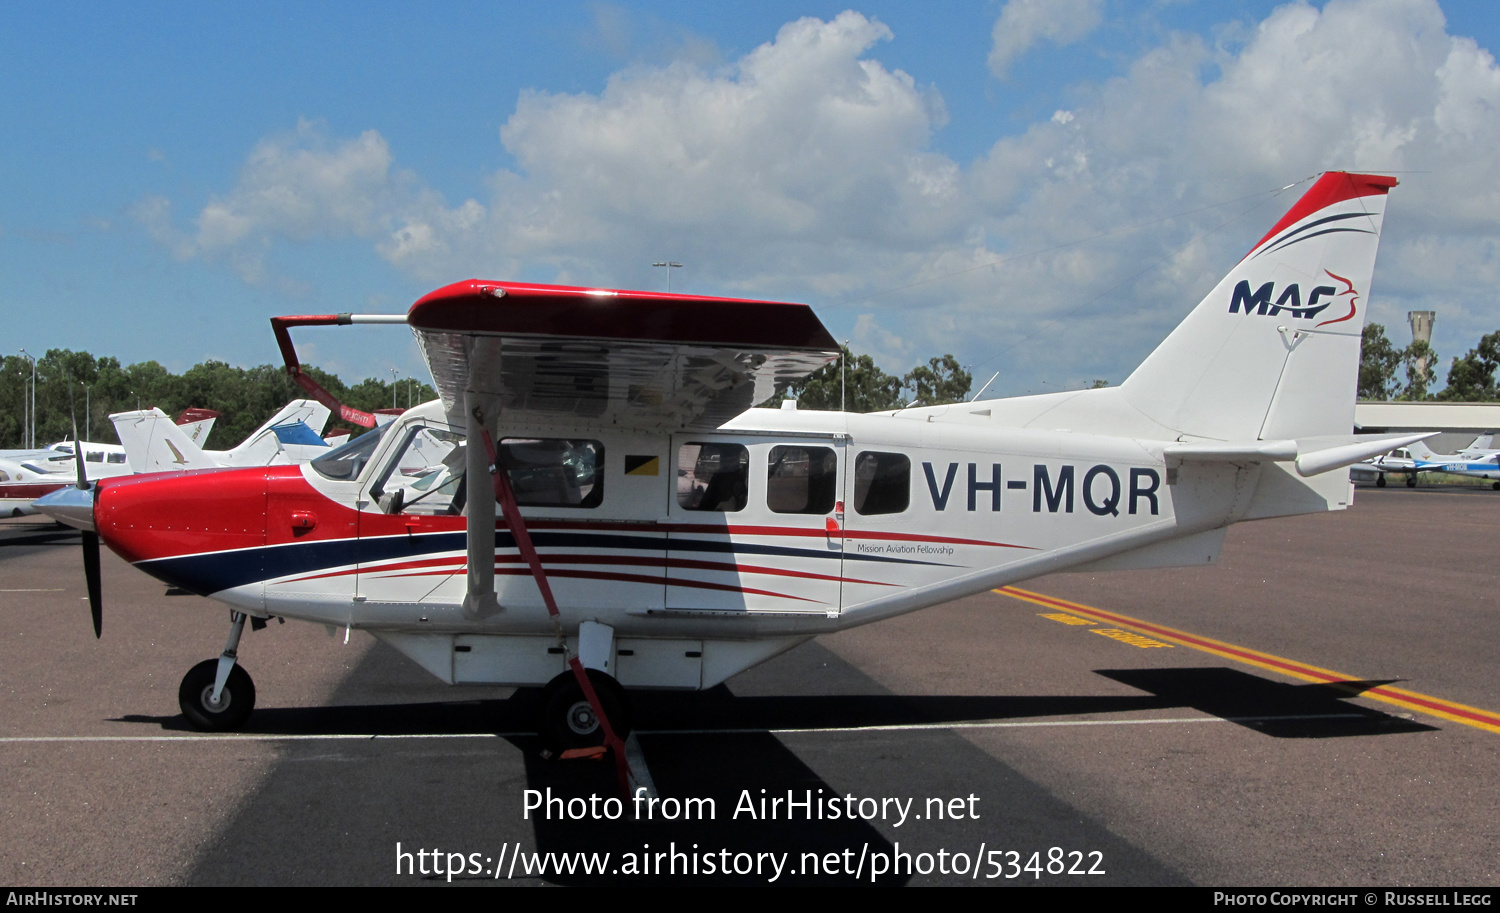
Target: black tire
{"x": 1496, "y": 486}
{"x": 1411, "y": 481}
{"x": 235, "y": 703}
{"x": 568, "y": 720}
{"x": 1380, "y": 481}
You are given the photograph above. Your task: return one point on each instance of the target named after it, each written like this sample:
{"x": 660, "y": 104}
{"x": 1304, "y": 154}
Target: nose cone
{"x": 71, "y": 505}
{"x": 150, "y": 517}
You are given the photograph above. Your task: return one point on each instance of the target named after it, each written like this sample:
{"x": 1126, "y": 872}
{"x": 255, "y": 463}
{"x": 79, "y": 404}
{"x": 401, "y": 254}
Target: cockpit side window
{"x": 344, "y": 464}
{"x": 426, "y": 476}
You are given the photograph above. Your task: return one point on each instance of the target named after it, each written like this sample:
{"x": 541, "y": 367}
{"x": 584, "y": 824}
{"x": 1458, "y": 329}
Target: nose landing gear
{"x": 217, "y": 695}
{"x": 226, "y": 713}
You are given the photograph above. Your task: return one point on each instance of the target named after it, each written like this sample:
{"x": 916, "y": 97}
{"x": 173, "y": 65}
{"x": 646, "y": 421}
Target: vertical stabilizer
{"x": 1273, "y": 352}
{"x": 154, "y": 443}
{"x": 262, "y": 447}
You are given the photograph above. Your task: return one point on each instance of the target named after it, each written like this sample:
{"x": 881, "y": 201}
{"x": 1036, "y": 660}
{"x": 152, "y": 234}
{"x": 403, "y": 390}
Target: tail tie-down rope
{"x": 517, "y": 525}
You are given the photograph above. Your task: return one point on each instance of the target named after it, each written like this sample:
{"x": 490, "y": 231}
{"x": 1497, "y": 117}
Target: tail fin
{"x": 1273, "y": 352}
{"x": 196, "y": 424}
{"x": 154, "y": 443}
{"x": 261, "y": 447}
{"x": 1485, "y": 442}
{"x": 1420, "y": 451}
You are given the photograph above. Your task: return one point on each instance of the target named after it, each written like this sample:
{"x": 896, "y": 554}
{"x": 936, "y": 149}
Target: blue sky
{"x": 174, "y": 174}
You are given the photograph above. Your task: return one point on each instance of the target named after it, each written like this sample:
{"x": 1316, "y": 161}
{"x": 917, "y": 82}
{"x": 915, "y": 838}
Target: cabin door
{"x": 756, "y": 525}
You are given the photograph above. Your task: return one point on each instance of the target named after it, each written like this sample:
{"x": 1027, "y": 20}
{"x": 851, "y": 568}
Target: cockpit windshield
{"x": 347, "y": 462}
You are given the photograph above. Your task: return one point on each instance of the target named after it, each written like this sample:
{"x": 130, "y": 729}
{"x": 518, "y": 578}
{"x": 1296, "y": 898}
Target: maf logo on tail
{"x": 1290, "y": 301}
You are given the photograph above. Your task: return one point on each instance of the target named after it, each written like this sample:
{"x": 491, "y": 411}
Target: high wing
{"x": 580, "y": 357}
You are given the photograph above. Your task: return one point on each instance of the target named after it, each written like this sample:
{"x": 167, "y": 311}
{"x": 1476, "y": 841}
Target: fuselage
{"x": 778, "y": 526}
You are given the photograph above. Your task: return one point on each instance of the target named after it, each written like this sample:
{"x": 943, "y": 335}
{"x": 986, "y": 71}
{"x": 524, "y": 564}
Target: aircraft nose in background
{"x": 71, "y": 505}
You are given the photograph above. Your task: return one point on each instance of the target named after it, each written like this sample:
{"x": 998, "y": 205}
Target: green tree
{"x": 1378, "y": 361}
{"x": 1419, "y": 360}
{"x": 941, "y": 380}
{"x": 1472, "y": 378}
{"x": 854, "y": 381}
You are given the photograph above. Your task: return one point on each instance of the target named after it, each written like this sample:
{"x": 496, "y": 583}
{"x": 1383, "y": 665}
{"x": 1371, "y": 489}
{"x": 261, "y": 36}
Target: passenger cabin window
{"x": 802, "y": 480}
{"x": 882, "y": 483}
{"x": 117, "y": 457}
{"x": 427, "y": 475}
{"x": 553, "y": 472}
{"x": 93, "y": 456}
{"x": 713, "y": 476}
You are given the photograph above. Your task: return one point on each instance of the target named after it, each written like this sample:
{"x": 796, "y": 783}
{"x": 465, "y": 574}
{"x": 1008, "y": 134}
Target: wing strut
{"x": 280, "y": 326}
{"x": 517, "y": 525}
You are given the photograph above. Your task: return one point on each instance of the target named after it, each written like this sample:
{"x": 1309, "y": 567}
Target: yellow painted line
{"x": 1411, "y": 700}
{"x": 1125, "y": 637}
{"x": 1065, "y": 619}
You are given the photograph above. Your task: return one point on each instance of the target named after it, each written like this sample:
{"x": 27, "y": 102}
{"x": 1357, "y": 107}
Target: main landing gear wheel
{"x": 1380, "y": 481}
{"x": 1496, "y": 486}
{"x": 1411, "y": 481}
{"x": 568, "y": 720}
{"x": 195, "y": 697}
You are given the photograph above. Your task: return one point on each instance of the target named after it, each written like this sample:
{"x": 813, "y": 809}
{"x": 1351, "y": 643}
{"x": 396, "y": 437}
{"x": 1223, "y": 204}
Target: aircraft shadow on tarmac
{"x": 1286, "y": 711}
{"x": 332, "y": 812}
{"x": 1272, "y": 708}
{"x": 37, "y": 534}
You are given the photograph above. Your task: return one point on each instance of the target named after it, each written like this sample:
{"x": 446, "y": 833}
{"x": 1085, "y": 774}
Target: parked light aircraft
{"x": 1477, "y": 460}
{"x": 1473, "y": 462}
{"x": 153, "y": 443}
{"x": 26, "y": 475}
{"x": 651, "y": 530}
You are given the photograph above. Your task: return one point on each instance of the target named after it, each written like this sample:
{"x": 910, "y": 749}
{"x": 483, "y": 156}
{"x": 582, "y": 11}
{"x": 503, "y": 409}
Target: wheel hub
{"x": 581, "y": 718}
{"x": 215, "y": 706}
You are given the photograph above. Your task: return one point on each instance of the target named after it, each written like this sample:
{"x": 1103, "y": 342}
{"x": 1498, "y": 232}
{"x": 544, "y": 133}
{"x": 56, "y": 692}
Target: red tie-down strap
{"x": 517, "y": 525}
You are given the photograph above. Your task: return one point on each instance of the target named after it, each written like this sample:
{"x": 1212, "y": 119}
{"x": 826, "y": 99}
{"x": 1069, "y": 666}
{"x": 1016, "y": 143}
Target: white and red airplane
{"x": 650, "y": 529}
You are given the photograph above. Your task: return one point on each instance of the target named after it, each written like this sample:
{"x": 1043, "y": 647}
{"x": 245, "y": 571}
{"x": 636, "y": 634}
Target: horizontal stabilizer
{"x": 1349, "y": 450}
{"x": 1313, "y": 455}
{"x": 1249, "y": 451}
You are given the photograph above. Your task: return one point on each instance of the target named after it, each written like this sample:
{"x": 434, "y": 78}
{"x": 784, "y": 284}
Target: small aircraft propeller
{"x": 90, "y": 549}
{"x": 90, "y": 535}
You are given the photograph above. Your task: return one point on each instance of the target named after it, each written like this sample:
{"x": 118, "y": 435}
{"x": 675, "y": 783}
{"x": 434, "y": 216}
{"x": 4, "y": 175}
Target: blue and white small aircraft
{"x": 1478, "y": 460}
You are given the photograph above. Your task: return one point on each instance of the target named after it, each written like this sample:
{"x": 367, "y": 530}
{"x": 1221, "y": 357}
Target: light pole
{"x": 394, "y": 380}
{"x": 670, "y": 265}
{"x": 31, "y": 442}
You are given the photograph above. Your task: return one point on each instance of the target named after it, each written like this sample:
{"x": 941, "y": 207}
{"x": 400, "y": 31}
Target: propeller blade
{"x": 91, "y": 575}
{"x": 90, "y": 537}
{"x": 83, "y": 476}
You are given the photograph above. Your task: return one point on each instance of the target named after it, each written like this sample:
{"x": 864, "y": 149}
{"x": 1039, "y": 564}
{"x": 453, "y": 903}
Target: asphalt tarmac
{"x": 1319, "y": 708}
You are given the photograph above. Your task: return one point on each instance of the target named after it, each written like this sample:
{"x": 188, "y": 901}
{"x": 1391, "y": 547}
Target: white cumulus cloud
{"x": 1023, "y": 23}
{"x": 805, "y": 170}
